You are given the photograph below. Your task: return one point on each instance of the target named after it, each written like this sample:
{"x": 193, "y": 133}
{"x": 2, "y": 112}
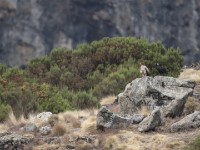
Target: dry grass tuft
{"x": 108, "y": 100}
{"x": 53, "y": 120}
{"x": 68, "y": 118}
{"x": 129, "y": 140}
{"x": 76, "y": 117}
{"x": 12, "y": 121}
{"x": 111, "y": 142}
{"x": 175, "y": 145}
{"x": 76, "y": 114}
{"x": 144, "y": 111}
{"x": 164, "y": 142}
{"x": 190, "y": 74}
{"x": 89, "y": 125}
{"x": 191, "y": 105}
{"x": 59, "y": 130}
{"x": 3, "y": 128}
{"x": 46, "y": 147}
{"x": 84, "y": 146}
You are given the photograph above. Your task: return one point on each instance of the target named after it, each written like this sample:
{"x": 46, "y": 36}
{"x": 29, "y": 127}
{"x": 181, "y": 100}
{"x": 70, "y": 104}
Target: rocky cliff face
{"x": 30, "y": 28}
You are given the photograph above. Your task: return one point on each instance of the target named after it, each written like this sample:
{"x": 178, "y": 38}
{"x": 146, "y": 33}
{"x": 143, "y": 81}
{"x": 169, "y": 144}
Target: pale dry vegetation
{"x": 89, "y": 125}
{"x": 144, "y": 111}
{"x": 191, "y": 105}
{"x": 107, "y": 100}
{"x": 190, "y": 74}
{"x": 84, "y": 146}
{"x": 65, "y": 125}
{"x": 130, "y": 140}
{"x": 46, "y": 147}
{"x": 13, "y": 121}
{"x": 75, "y": 122}
{"x": 59, "y": 129}
{"x": 53, "y": 120}
{"x": 77, "y": 114}
{"x": 3, "y": 128}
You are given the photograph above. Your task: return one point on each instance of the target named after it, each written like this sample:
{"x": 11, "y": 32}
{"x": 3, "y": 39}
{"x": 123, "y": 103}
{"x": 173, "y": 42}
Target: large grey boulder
{"x": 44, "y": 116}
{"x": 11, "y": 141}
{"x": 151, "y": 122}
{"x": 157, "y": 92}
{"x": 190, "y": 121}
{"x": 107, "y": 119}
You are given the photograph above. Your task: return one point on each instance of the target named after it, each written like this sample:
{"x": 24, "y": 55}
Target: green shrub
{"x": 38, "y": 67}
{"x": 54, "y": 75}
{"x": 4, "y": 111}
{"x": 115, "y": 82}
{"x": 50, "y": 99}
{"x": 83, "y": 100}
{"x": 2, "y": 69}
{"x": 13, "y": 74}
{"x": 61, "y": 57}
{"x": 76, "y": 79}
{"x": 119, "y": 49}
{"x": 80, "y": 100}
{"x": 67, "y": 79}
{"x": 21, "y": 99}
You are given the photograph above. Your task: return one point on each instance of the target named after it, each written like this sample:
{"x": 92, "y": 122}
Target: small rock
{"x": 68, "y": 146}
{"x": 45, "y": 130}
{"x": 30, "y": 127}
{"x": 44, "y": 116}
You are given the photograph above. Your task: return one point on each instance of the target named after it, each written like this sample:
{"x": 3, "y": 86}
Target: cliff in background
{"x": 30, "y": 28}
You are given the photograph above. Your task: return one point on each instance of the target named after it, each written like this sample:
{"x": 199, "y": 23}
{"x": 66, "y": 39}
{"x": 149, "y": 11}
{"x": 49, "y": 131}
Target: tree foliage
{"x": 77, "y": 79}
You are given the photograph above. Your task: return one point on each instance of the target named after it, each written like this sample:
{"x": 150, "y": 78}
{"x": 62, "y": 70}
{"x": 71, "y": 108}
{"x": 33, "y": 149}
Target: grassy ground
{"x": 73, "y": 124}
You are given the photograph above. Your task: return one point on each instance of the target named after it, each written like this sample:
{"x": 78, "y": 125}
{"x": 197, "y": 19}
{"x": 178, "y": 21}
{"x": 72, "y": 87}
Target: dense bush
{"x": 21, "y": 99}
{"x": 38, "y": 67}
{"x": 80, "y": 99}
{"x": 2, "y": 68}
{"x": 76, "y": 79}
{"x": 4, "y": 111}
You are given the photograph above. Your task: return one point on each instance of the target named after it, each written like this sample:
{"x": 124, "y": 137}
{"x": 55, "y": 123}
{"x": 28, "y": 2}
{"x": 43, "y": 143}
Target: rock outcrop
{"x": 190, "y": 121}
{"x": 163, "y": 92}
{"x": 11, "y": 141}
{"x": 163, "y": 96}
{"x": 107, "y": 119}
{"x": 32, "y": 28}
